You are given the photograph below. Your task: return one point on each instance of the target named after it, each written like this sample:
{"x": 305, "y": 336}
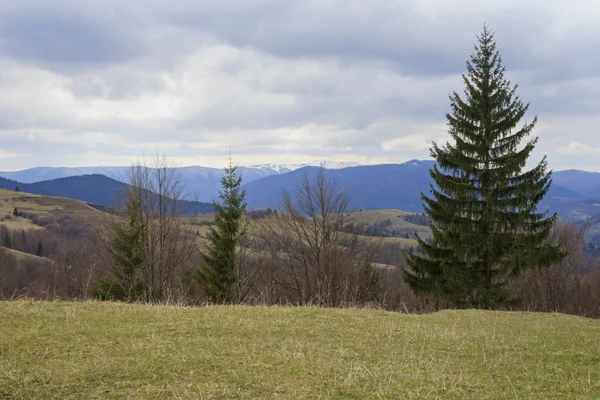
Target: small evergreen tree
{"x": 15, "y": 212}
{"x": 7, "y": 241}
{"x": 24, "y": 242}
{"x": 40, "y": 250}
{"x": 486, "y": 227}
{"x": 17, "y": 189}
{"x": 218, "y": 272}
{"x": 128, "y": 254}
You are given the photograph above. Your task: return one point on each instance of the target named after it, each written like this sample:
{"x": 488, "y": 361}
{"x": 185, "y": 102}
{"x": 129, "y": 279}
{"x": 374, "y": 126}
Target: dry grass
{"x": 201, "y": 218}
{"x": 43, "y": 206}
{"x": 24, "y": 256}
{"x": 11, "y": 194}
{"x": 371, "y": 217}
{"x": 108, "y": 350}
{"x": 18, "y": 223}
{"x": 404, "y": 243}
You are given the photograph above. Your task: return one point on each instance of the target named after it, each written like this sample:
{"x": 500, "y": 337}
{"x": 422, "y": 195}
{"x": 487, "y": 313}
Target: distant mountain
{"x": 96, "y": 189}
{"x": 574, "y": 194}
{"x": 372, "y": 186}
{"x": 201, "y": 183}
{"x": 10, "y": 184}
{"x": 40, "y": 174}
{"x": 284, "y": 168}
{"x": 586, "y": 183}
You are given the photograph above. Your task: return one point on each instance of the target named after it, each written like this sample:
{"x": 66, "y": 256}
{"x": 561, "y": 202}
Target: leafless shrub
{"x": 309, "y": 251}
{"x": 573, "y": 286}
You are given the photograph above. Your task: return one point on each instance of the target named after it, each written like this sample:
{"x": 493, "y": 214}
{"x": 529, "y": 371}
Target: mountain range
{"x": 574, "y": 194}
{"x": 201, "y": 183}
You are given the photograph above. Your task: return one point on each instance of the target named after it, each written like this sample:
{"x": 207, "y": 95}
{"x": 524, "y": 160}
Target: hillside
{"x": 43, "y": 206}
{"x": 393, "y": 222}
{"x": 110, "y": 350}
{"x": 24, "y": 256}
{"x": 97, "y": 189}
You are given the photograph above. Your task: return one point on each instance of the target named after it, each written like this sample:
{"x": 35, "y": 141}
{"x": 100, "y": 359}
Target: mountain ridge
{"x": 573, "y": 195}
{"x": 95, "y": 189}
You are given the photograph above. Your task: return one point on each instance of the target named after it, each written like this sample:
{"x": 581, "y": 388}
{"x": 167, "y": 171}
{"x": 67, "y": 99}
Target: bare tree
{"x": 169, "y": 244}
{"x": 315, "y": 255}
{"x": 571, "y": 286}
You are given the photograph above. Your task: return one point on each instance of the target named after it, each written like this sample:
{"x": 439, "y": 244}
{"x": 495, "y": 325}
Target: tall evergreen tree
{"x": 486, "y": 227}
{"x": 218, "y": 272}
{"x": 128, "y": 254}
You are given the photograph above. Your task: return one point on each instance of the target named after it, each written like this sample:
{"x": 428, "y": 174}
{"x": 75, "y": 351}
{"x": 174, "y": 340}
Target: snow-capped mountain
{"x": 283, "y": 168}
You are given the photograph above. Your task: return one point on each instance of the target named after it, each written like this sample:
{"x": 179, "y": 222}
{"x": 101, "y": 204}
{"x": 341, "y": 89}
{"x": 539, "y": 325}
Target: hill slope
{"x": 97, "y": 189}
{"x": 397, "y": 224}
{"x": 110, "y": 350}
{"x": 41, "y": 206}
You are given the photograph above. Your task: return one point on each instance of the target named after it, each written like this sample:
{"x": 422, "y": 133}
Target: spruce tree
{"x": 7, "y": 241}
{"x": 485, "y": 222}
{"x": 40, "y": 250}
{"x": 128, "y": 255}
{"x": 218, "y": 272}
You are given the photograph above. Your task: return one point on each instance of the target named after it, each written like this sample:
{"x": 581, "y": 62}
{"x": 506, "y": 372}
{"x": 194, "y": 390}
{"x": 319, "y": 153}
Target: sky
{"x": 281, "y": 81}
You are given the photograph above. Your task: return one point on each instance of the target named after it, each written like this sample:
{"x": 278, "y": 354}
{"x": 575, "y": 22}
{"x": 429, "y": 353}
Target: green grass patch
{"x": 107, "y": 350}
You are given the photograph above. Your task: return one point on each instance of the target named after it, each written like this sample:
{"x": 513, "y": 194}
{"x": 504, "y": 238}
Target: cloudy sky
{"x": 105, "y": 82}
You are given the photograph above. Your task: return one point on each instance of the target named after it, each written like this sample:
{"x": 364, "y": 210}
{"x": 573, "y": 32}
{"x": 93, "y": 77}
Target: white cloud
{"x": 577, "y": 148}
{"x": 354, "y": 83}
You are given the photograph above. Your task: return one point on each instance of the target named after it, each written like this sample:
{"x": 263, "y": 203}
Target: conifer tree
{"x": 218, "y": 272}
{"x": 128, "y": 254}
{"x": 7, "y": 241}
{"x": 485, "y": 222}
{"x": 40, "y": 249}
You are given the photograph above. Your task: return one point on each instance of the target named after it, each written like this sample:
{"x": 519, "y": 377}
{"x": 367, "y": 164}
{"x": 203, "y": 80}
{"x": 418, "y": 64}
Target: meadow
{"x": 72, "y": 350}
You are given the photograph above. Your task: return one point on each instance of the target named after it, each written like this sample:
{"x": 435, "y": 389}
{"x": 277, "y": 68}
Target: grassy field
{"x": 400, "y": 225}
{"x": 45, "y": 206}
{"x": 21, "y": 255}
{"x": 107, "y": 350}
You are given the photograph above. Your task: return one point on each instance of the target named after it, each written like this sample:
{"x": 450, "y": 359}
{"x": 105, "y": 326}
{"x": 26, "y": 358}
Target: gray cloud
{"x": 64, "y": 36}
{"x": 280, "y": 81}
